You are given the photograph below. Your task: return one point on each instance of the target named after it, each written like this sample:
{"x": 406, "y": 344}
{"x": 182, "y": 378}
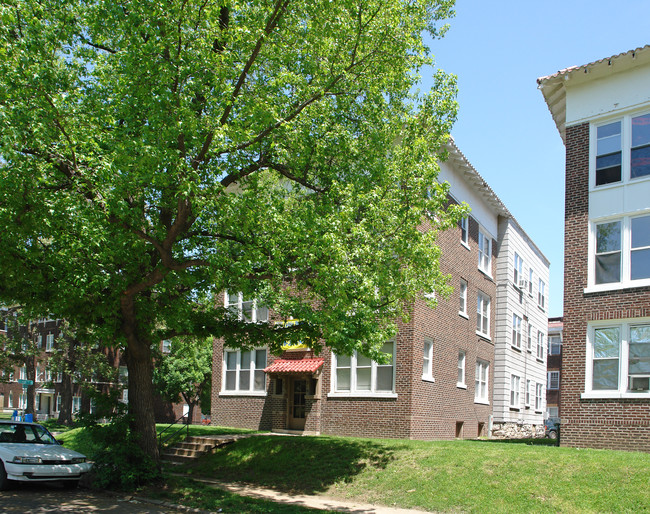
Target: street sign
{"x": 25, "y": 382}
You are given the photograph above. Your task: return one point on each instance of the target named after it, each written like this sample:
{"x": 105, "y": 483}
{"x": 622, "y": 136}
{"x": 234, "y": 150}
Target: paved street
{"x": 38, "y": 499}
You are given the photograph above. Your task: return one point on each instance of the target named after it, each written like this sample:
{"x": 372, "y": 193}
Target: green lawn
{"x": 471, "y": 476}
{"x": 445, "y": 476}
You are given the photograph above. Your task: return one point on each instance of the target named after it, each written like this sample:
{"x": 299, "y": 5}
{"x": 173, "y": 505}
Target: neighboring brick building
{"x": 554, "y": 368}
{"x": 48, "y": 386}
{"x": 440, "y": 382}
{"x": 602, "y": 111}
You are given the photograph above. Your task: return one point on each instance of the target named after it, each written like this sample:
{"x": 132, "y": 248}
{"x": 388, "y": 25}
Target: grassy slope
{"x": 440, "y": 476}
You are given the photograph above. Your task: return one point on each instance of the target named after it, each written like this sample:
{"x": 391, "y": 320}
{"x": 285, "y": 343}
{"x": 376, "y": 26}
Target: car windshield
{"x": 24, "y": 433}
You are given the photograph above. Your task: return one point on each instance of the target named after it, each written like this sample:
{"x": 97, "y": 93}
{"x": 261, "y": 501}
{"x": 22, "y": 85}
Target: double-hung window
{"x": 530, "y": 281}
{"x": 541, "y": 294}
{"x": 483, "y": 314}
{"x": 461, "y": 370}
{"x": 516, "y": 331}
{"x": 515, "y": 384}
{"x": 608, "y": 153}
{"x": 621, "y": 251}
{"x": 357, "y": 374}
{"x": 554, "y": 345}
{"x": 622, "y": 150}
{"x": 462, "y": 310}
{"x": 529, "y": 343}
{"x": 518, "y": 277}
{"x": 244, "y": 371}
{"x": 540, "y": 345}
{"x": 49, "y": 343}
{"x": 464, "y": 230}
{"x": 539, "y": 391}
{"x": 484, "y": 253}
{"x": 427, "y": 360}
{"x": 528, "y": 386}
{"x": 481, "y": 381}
{"x": 640, "y": 147}
{"x": 618, "y": 360}
{"x": 553, "y": 380}
{"x": 246, "y": 309}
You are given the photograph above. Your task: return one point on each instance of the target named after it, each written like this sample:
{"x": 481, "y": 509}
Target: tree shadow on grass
{"x": 299, "y": 465}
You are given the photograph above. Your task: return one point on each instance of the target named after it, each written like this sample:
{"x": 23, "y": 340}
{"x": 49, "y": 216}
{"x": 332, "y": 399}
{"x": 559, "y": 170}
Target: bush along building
{"x": 602, "y": 111}
{"x": 449, "y": 365}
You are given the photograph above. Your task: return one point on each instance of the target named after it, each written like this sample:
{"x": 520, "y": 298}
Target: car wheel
{"x": 70, "y": 484}
{"x": 552, "y": 434}
{"x": 4, "y": 483}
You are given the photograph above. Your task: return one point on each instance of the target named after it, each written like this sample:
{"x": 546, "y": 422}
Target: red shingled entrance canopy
{"x": 294, "y": 366}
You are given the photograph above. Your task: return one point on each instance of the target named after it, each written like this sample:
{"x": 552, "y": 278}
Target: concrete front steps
{"x": 195, "y": 446}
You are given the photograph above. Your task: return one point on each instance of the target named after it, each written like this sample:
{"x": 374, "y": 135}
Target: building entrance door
{"x": 297, "y": 404}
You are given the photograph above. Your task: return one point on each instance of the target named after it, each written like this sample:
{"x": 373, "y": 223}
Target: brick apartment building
{"x": 602, "y": 111}
{"x": 441, "y": 379}
{"x": 48, "y": 386}
{"x": 554, "y": 368}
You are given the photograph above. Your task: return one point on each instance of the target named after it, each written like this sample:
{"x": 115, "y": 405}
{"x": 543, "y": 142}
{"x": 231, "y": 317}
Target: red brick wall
{"x": 616, "y": 424}
{"x": 422, "y": 409}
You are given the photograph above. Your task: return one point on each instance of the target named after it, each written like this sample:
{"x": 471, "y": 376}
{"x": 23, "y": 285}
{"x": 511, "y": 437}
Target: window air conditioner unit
{"x": 523, "y": 283}
{"x": 639, "y": 382}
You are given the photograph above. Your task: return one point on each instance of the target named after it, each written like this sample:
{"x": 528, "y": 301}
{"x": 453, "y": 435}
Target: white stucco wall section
{"x": 464, "y": 192}
{"x": 610, "y": 95}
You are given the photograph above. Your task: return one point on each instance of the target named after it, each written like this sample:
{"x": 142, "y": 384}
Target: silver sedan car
{"x": 29, "y": 453}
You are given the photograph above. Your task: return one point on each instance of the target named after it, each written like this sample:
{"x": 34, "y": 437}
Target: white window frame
{"x": 626, "y": 149}
{"x": 541, "y": 295}
{"x": 518, "y": 273}
{"x": 259, "y": 314}
{"x": 462, "y": 298}
{"x": 528, "y": 393}
{"x": 554, "y": 342}
{"x": 540, "y": 346}
{"x": 531, "y": 276}
{"x": 76, "y": 404}
{"x": 462, "y": 360}
{"x": 59, "y": 399}
{"x": 553, "y": 380}
{"x": 622, "y": 391}
{"x": 49, "y": 342}
{"x": 516, "y": 331}
{"x": 427, "y": 360}
{"x": 529, "y": 338}
{"x": 10, "y": 400}
{"x": 240, "y": 389}
{"x": 353, "y": 391}
{"x": 482, "y": 382}
{"x": 166, "y": 346}
{"x": 625, "y": 270}
{"x": 539, "y": 397}
{"x": 464, "y": 231}
{"x": 22, "y": 401}
{"x": 515, "y": 391}
{"x": 483, "y": 306}
{"x": 484, "y": 252}
{"x": 23, "y": 373}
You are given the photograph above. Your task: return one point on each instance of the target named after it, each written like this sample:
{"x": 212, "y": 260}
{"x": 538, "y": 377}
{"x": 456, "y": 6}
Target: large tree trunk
{"x": 65, "y": 414}
{"x": 139, "y": 363}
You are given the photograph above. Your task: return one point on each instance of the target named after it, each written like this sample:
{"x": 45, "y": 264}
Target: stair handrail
{"x": 186, "y": 426}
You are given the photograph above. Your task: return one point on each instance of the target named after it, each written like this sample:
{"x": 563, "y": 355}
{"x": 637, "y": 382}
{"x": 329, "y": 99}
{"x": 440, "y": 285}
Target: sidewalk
{"x": 304, "y": 500}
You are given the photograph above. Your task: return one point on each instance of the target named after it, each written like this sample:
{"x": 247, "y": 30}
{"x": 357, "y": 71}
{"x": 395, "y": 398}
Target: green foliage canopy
{"x": 154, "y": 154}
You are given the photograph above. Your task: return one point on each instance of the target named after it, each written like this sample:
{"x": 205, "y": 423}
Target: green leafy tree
{"x": 21, "y": 348}
{"x": 79, "y": 357}
{"x": 186, "y": 372}
{"x": 155, "y": 154}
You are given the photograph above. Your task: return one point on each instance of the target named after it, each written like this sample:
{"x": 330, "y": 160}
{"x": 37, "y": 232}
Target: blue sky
{"x": 504, "y": 128}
